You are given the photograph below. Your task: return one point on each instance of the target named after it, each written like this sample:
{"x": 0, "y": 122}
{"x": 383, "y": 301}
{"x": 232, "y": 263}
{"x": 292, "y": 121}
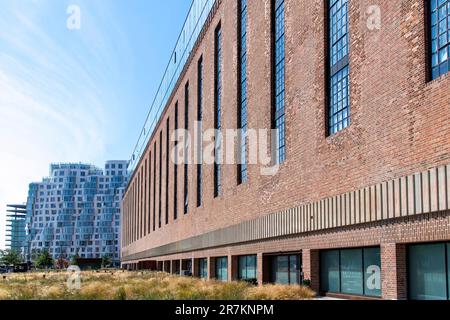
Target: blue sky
{"x": 77, "y": 95}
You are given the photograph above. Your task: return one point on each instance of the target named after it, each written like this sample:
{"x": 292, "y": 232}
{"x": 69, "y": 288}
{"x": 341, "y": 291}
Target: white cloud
{"x": 52, "y": 107}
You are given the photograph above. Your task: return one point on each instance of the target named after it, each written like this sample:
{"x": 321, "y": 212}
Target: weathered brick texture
{"x": 400, "y": 126}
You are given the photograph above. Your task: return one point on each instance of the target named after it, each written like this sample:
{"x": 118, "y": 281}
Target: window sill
{"x": 348, "y": 296}
{"x": 339, "y": 134}
{"x": 438, "y": 80}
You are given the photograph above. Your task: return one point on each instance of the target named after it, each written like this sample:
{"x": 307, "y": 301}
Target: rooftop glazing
{"x": 193, "y": 25}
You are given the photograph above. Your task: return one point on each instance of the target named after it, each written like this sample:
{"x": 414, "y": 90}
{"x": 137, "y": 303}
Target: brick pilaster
{"x": 211, "y": 268}
{"x": 393, "y": 271}
{"x": 259, "y": 270}
{"x": 195, "y": 271}
{"x": 232, "y": 268}
{"x": 311, "y": 271}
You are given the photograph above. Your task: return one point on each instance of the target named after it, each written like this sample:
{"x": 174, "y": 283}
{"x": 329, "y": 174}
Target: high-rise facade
{"x": 15, "y": 228}
{"x": 76, "y": 211}
{"x": 357, "y": 200}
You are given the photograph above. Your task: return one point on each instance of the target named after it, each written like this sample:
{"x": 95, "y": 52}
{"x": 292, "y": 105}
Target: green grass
{"x": 118, "y": 285}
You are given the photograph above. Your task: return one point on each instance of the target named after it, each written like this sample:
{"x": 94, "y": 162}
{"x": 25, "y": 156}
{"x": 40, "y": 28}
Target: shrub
{"x": 140, "y": 286}
{"x": 279, "y": 292}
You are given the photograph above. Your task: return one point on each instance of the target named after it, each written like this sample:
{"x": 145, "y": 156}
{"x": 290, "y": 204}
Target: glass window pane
{"x": 294, "y": 270}
{"x": 448, "y": 267}
{"x": 203, "y": 268}
{"x": 427, "y": 272}
{"x": 241, "y": 269}
{"x": 225, "y": 269}
{"x": 329, "y": 265}
{"x": 251, "y": 271}
{"x": 351, "y": 272}
{"x": 439, "y": 34}
{"x": 242, "y": 116}
{"x": 247, "y": 268}
{"x": 282, "y": 270}
{"x": 222, "y": 269}
{"x": 372, "y": 272}
{"x": 339, "y": 107}
{"x": 279, "y": 52}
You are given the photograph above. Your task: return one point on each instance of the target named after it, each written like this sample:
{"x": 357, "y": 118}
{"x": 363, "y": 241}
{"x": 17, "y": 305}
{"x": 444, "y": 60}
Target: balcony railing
{"x": 193, "y": 25}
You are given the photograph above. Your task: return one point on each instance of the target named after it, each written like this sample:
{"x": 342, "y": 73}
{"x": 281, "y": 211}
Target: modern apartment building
{"x": 358, "y": 199}
{"x": 76, "y": 211}
{"x": 15, "y": 227}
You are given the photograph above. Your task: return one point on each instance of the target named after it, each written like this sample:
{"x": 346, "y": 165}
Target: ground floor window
{"x": 285, "y": 269}
{"x": 351, "y": 271}
{"x": 176, "y": 267}
{"x": 186, "y": 268}
{"x": 429, "y": 271}
{"x": 166, "y": 266}
{"x": 222, "y": 269}
{"x": 203, "y": 268}
{"x": 247, "y": 268}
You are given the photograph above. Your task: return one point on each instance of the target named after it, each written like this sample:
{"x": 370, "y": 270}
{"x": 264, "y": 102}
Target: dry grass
{"x": 120, "y": 285}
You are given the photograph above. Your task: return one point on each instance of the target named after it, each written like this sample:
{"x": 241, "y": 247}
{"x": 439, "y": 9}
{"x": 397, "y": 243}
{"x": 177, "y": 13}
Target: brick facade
{"x": 400, "y": 127}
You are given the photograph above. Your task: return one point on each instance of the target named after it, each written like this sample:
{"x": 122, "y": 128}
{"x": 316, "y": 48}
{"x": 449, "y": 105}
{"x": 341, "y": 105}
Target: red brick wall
{"x": 400, "y": 122}
{"x": 311, "y": 268}
{"x": 392, "y": 236}
{"x": 394, "y": 271}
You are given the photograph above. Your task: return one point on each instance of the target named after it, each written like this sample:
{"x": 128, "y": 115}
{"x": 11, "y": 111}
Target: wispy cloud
{"x": 53, "y": 105}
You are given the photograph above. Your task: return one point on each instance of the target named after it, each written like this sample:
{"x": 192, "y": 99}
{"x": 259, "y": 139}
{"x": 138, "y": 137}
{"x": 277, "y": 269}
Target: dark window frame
{"x": 340, "y": 277}
{"x": 145, "y": 197}
{"x": 201, "y": 261}
{"x": 149, "y": 191}
{"x": 142, "y": 213}
{"x": 199, "y": 119}
{"x": 217, "y": 107}
{"x": 160, "y": 181}
{"x": 428, "y": 48}
{"x": 216, "y": 268}
{"x": 175, "y": 168}
{"x": 154, "y": 187}
{"x": 332, "y": 72}
{"x": 242, "y": 167}
{"x": 247, "y": 258}
{"x": 429, "y": 41}
{"x": 186, "y": 166}
{"x": 298, "y": 258}
{"x": 278, "y": 115}
{"x": 167, "y": 168}
{"x": 408, "y": 259}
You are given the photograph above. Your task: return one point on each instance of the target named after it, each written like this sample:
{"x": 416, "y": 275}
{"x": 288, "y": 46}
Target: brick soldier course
{"x": 384, "y": 181}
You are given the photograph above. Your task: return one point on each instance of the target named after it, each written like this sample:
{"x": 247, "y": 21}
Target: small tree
{"x": 62, "y": 263}
{"x": 44, "y": 260}
{"x": 35, "y": 254}
{"x": 74, "y": 260}
{"x": 106, "y": 261}
{"x": 10, "y": 258}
